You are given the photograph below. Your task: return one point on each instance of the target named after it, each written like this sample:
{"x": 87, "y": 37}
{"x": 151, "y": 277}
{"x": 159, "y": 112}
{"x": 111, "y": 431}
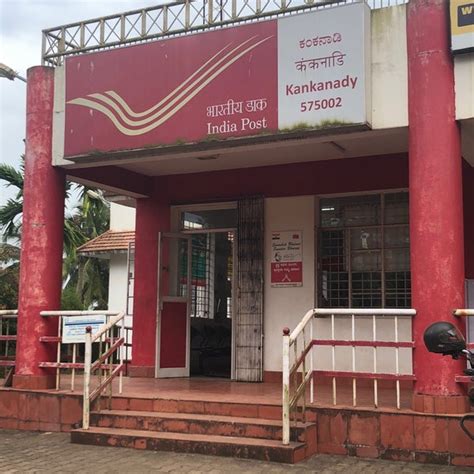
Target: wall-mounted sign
{"x": 462, "y": 25}
{"x": 74, "y": 327}
{"x": 287, "y": 259}
{"x": 301, "y": 71}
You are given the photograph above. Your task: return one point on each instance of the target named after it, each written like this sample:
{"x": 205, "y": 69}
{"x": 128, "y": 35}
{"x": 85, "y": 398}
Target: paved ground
{"x": 23, "y": 451}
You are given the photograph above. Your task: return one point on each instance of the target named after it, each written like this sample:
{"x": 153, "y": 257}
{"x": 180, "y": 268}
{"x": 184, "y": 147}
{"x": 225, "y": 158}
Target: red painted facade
{"x": 436, "y": 201}
{"x": 42, "y": 236}
{"x": 173, "y": 335}
{"x": 153, "y": 216}
{"x": 432, "y": 171}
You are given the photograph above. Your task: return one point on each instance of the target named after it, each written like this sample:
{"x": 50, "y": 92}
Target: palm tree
{"x": 90, "y": 276}
{"x": 87, "y": 277}
{"x": 11, "y": 212}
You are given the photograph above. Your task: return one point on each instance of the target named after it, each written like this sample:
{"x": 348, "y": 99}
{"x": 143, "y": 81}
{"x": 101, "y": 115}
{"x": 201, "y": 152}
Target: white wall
{"x": 389, "y": 68}
{"x": 118, "y": 282}
{"x": 286, "y": 306}
{"x": 464, "y": 79}
{"x": 121, "y": 217}
{"x": 118, "y": 289}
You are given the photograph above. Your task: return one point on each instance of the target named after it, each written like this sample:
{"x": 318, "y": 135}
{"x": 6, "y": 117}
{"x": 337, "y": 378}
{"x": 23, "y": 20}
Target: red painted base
{"x": 39, "y": 411}
{"x": 457, "y": 405}
{"x": 141, "y": 371}
{"x": 34, "y": 382}
{"x": 383, "y": 433}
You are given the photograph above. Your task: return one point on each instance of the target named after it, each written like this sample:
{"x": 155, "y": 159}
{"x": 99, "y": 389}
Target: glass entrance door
{"x": 212, "y": 303}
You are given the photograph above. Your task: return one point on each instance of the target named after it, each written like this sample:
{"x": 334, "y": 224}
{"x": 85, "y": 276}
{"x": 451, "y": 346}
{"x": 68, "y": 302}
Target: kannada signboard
{"x": 301, "y": 71}
{"x": 287, "y": 259}
{"x": 74, "y": 327}
{"x": 462, "y": 25}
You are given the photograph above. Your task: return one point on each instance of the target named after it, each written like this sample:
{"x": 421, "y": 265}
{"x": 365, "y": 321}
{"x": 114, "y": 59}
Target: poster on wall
{"x": 287, "y": 259}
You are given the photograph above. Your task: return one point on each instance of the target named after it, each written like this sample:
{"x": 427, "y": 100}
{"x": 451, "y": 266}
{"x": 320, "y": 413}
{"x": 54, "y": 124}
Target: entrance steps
{"x": 192, "y": 431}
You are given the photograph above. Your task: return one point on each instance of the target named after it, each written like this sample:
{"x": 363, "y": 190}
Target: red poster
{"x": 287, "y": 259}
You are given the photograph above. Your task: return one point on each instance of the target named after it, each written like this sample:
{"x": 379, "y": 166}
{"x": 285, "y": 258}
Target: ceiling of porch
{"x": 328, "y": 147}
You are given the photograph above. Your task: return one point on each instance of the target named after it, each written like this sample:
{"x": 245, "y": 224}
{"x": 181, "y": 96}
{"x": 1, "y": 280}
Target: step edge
{"x": 199, "y": 417}
{"x": 189, "y": 437}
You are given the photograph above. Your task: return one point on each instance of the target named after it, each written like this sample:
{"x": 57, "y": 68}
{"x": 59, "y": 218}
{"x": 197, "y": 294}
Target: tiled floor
{"x": 223, "y": 390}
{"x": 24, "y": 451}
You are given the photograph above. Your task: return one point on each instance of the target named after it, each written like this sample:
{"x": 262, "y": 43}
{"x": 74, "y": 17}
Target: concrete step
{"x": 199, "y": 424}
{"x": 241, "y": 447}
{"x": 201, "y": 407}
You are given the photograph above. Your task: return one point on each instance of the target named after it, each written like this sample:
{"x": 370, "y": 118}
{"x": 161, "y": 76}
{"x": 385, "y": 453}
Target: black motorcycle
{"x": 444, "y": 338}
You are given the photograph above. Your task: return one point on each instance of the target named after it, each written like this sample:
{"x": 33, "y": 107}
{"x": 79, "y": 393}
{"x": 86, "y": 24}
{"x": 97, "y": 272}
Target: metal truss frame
{"x": 172, "y": 19}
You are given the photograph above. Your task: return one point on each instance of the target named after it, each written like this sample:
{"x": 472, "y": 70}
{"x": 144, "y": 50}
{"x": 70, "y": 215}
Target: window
{"x": 364, "y": 252}
{"x": 209, "y": 219}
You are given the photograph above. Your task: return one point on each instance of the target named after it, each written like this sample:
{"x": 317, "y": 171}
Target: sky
{"x": 21, "y": 23}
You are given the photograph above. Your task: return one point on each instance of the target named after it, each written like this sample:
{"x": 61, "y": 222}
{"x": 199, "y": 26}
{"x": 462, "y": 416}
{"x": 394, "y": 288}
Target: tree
{"x": 9, "y": 275}
{"x": 84, "y": 276}
{"x": 90, "y": 276}
{"x": 11, "y": 212}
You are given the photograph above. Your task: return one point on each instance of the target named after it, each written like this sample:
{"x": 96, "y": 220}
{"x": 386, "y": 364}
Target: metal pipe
{"x": 87, "y": 379}
{"x": 286, "y": 387}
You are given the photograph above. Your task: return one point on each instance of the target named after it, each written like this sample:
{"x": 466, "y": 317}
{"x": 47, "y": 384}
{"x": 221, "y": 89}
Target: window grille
{"x": 202, "y": 277}
{"x": 364, "y": 252}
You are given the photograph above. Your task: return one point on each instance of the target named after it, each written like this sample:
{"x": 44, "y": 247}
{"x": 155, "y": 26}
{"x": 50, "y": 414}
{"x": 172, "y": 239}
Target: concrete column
{"x": 436, "y": 207}
{"x": 152, "y": 217}
{"x": 41, "y": 237}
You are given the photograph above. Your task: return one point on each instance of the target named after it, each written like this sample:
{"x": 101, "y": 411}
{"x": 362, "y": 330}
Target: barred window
{"x": 364, "y": 252}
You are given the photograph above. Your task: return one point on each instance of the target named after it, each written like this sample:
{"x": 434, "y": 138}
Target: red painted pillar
{"x": 41, "y": 236}
{"x": 436, "y": 207}
{"x": 152, "y": 217}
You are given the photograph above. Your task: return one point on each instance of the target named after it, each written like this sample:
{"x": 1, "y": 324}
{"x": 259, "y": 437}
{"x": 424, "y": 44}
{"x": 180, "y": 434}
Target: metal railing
{"x": 109, "y": 340}
{"x": 8, "y": 331}
{"x": 298, "y": 371}
{"x": 172, "y": 19}
{"x": 69, "y": 355}
{"x": 126, "y": 349}
{"x": 105, "y": 336}
{"x": 465, "y": 313}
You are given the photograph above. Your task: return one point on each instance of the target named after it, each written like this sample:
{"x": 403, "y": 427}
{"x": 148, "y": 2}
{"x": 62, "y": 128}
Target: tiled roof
{"x": 108, "y": 242}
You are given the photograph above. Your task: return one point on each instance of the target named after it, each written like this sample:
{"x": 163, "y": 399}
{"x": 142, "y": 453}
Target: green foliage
{"x": 70, "y": 300}
{"x": 8, "y": 289}
{"x": 85, "y": 279}
{"x": 9, "y": 276}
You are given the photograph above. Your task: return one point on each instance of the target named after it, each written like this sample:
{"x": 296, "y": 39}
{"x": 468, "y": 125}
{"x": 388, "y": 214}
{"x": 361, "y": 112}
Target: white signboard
{"x": 287, "y": 259}
{"x": 323, "y": 61}
{"x": 74, "y": 327}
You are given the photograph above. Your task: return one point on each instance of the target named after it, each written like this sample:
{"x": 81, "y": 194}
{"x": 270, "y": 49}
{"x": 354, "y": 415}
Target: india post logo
{"x": 466, "y": 14}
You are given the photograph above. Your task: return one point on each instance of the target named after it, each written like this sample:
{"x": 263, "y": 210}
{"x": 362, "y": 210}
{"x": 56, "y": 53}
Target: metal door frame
{"x": 175, "y": 222}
